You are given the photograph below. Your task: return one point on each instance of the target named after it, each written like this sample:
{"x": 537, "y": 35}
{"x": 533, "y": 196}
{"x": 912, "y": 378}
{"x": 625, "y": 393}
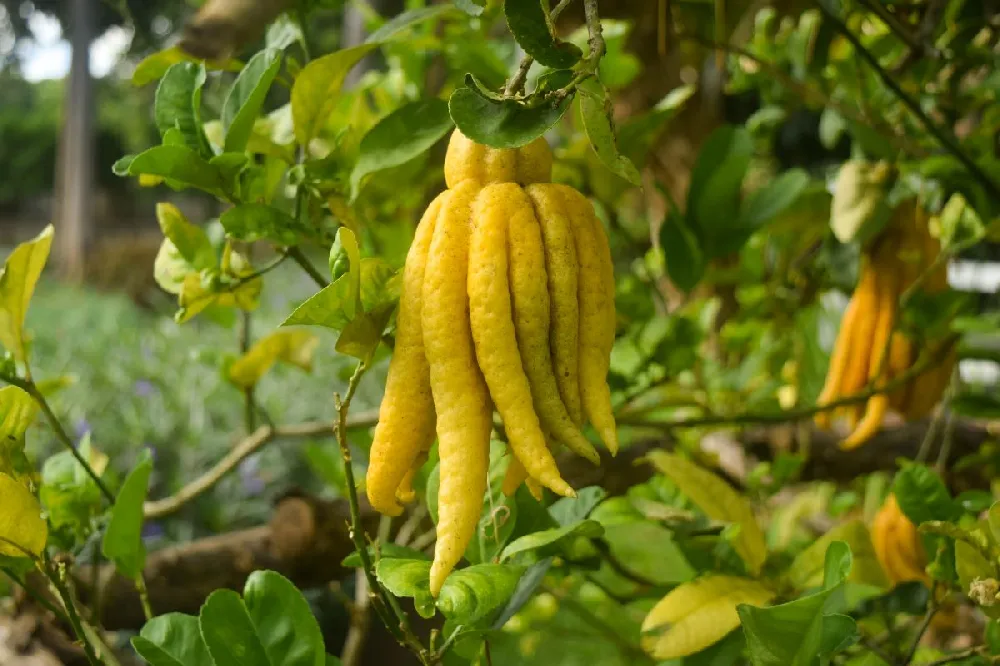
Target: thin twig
{"x": 932, "y": 610}
{"x": 36, "y": 596}
{"x": 961, "y": 656}
{"x": 31, "y": 389}
{"x": 516, "y": 84}
{"x": 893, "y": 24}
{"x": 296, "y": 255}
{"x": 59, "y": 583}
{"x": 246, "y": 447}
{"x": 949, "y": 425}
{"x": 360, "y": 621}
{"x": 791, "y": 415}
{"x": 943, "y": 135}
{"x": 140, "y": 586}
{"x": 384, "y": 603}
{"x": 594, "y": 30}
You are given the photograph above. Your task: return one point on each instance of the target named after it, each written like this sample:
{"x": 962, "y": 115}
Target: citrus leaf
{"x": 719, "y": 502}
{"x": 505, "y": 124}
{"x": 182, "y": 166}
{"x": 178, "y": 105}
{"x": 173, "y": 639}
{"x": 405, "y": 20}
{"x": 596, "y": 112}
{"x": 17, "y": 411}
{"x": 317, "y": 89}
{"x": 807, "y": 570}
{"x": 17, "y": 284}
{"x": 698, "y": 614}
{"x": 122, "y": 542}
{"x": 285, "y": 624}
{"x": 246, "y": 98}
{"x": 472, "y": 593}
{"x": 190, "y": 240}
{"x": 531, "y": 26}
{"x": 549, "y": 539}
{"x": 295, "y": 347}
{"x": 399, "y": 137}
{"x": 22, "y": 529}
{"x": 229, "y": 632}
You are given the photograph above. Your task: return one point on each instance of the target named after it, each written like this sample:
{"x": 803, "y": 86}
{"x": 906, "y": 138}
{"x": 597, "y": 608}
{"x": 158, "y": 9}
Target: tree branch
{"x": 245, "y": 448}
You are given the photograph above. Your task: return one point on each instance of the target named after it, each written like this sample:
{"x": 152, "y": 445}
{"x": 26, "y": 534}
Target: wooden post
{"x": 75, "y": 168}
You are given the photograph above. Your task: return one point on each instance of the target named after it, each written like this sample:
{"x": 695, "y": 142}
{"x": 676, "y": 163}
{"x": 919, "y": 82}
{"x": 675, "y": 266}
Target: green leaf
{"x": 569, "y": 510}
{"x": 548, "y": 540}
{"x": 649, "y": 551}
{"x": 532, "y": 28}
{"x": 792, "y": 634}
{"x": 596, "y": 112}
{"x": 349, "y": 242}
{"x": 122, "y": 542}
{"x": 284, "y": 622}
{"x": 295, "y": 347}
{"x": 387, "y": 549}
{"x": 718, "y": 501}
{"x": 246, "y": 98}
{"x": 971, "y": 563}
{"x": 362, "y": 335}
{"x": 17, "y": 284}
{"x": 505, "y": 124}
{"x": 154, "y": 66}
{"x": 713, "y": 201}
{"x": 685, "y": 261}
{"x": 178, "y": 105}
{"x": 182, "y": 166}
{"x": 70, "y": 497}
{"x": 472, "y": 593}
{"x": 530, "y": 580}
{"x": 229, "y": 632}
{"x": 806, "y": 570}
{"x": 923, "y": 496}
{"x": 17, "y": 411}
{"x": 770, "y": 201}
{"x": 190, "y": 240}
{"x": 251, "y": 222}
{"x": 408, "y": 578}
{"x": 328, "y": 307}
{"x": 399, "y": 137}
{"x": 282, "y": 33}
{"x": 839, "y": 632}
{"x": 173, "y": 639}
{"x": 698, "y": 614}
{"x": 23, "y": 531}
{"x": 317, "y": 90}
{"x": 407, "y": 19}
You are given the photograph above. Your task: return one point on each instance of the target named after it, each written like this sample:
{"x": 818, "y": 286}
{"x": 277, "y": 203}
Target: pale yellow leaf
{"x": 698, "y": 614}
{"x": 17, "y": 283}
{"x": 719, "y": 501}
{"x": 289, "y": 345}
{"x": 22, "y": 530}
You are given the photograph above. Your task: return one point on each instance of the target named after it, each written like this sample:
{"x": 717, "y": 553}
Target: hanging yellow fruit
{"x": 507, "y": 303}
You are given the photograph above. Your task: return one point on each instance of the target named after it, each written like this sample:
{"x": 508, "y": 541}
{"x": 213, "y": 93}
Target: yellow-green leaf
{"x": 719, "y": 501}
{"x": 22, "y": 530}
{"x": 190, "y": 240}
{"x": 317, "y": 90}
{"x": 698, "y": 614}
{"x": 17, "y": 412}
{"x": 17, "y": 284}
{"x": 807, "y": 568}
{"x": 288, "y": 345}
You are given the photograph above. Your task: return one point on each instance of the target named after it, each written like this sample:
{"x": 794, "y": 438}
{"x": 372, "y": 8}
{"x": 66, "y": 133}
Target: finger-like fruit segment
{"x": 468, "y": 160}
{"x": 464, "y": 412}
{"x": 898, "y": 545}
{"x": 405, "y": 493}
{"x": 530, "y": 299}
{"x": 406, "y": 416}
{"x": 838, "y": 362}
{"x": 596, "y": 297}
{"x": 562, "y": 270}
{"x": 494, "y": 335}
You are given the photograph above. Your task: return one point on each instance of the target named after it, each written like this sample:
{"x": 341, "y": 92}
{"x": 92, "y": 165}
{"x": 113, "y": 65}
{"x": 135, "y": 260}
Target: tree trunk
{"x": 75, "y": 169}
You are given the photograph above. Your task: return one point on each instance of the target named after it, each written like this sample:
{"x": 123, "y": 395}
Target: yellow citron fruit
{"x": 898, "y": 546}
{"x": 23, "y": 532}
{"x": 872, "y": 354}
{"x": 507, "y": 302}
{"x": 406, "y": 418}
